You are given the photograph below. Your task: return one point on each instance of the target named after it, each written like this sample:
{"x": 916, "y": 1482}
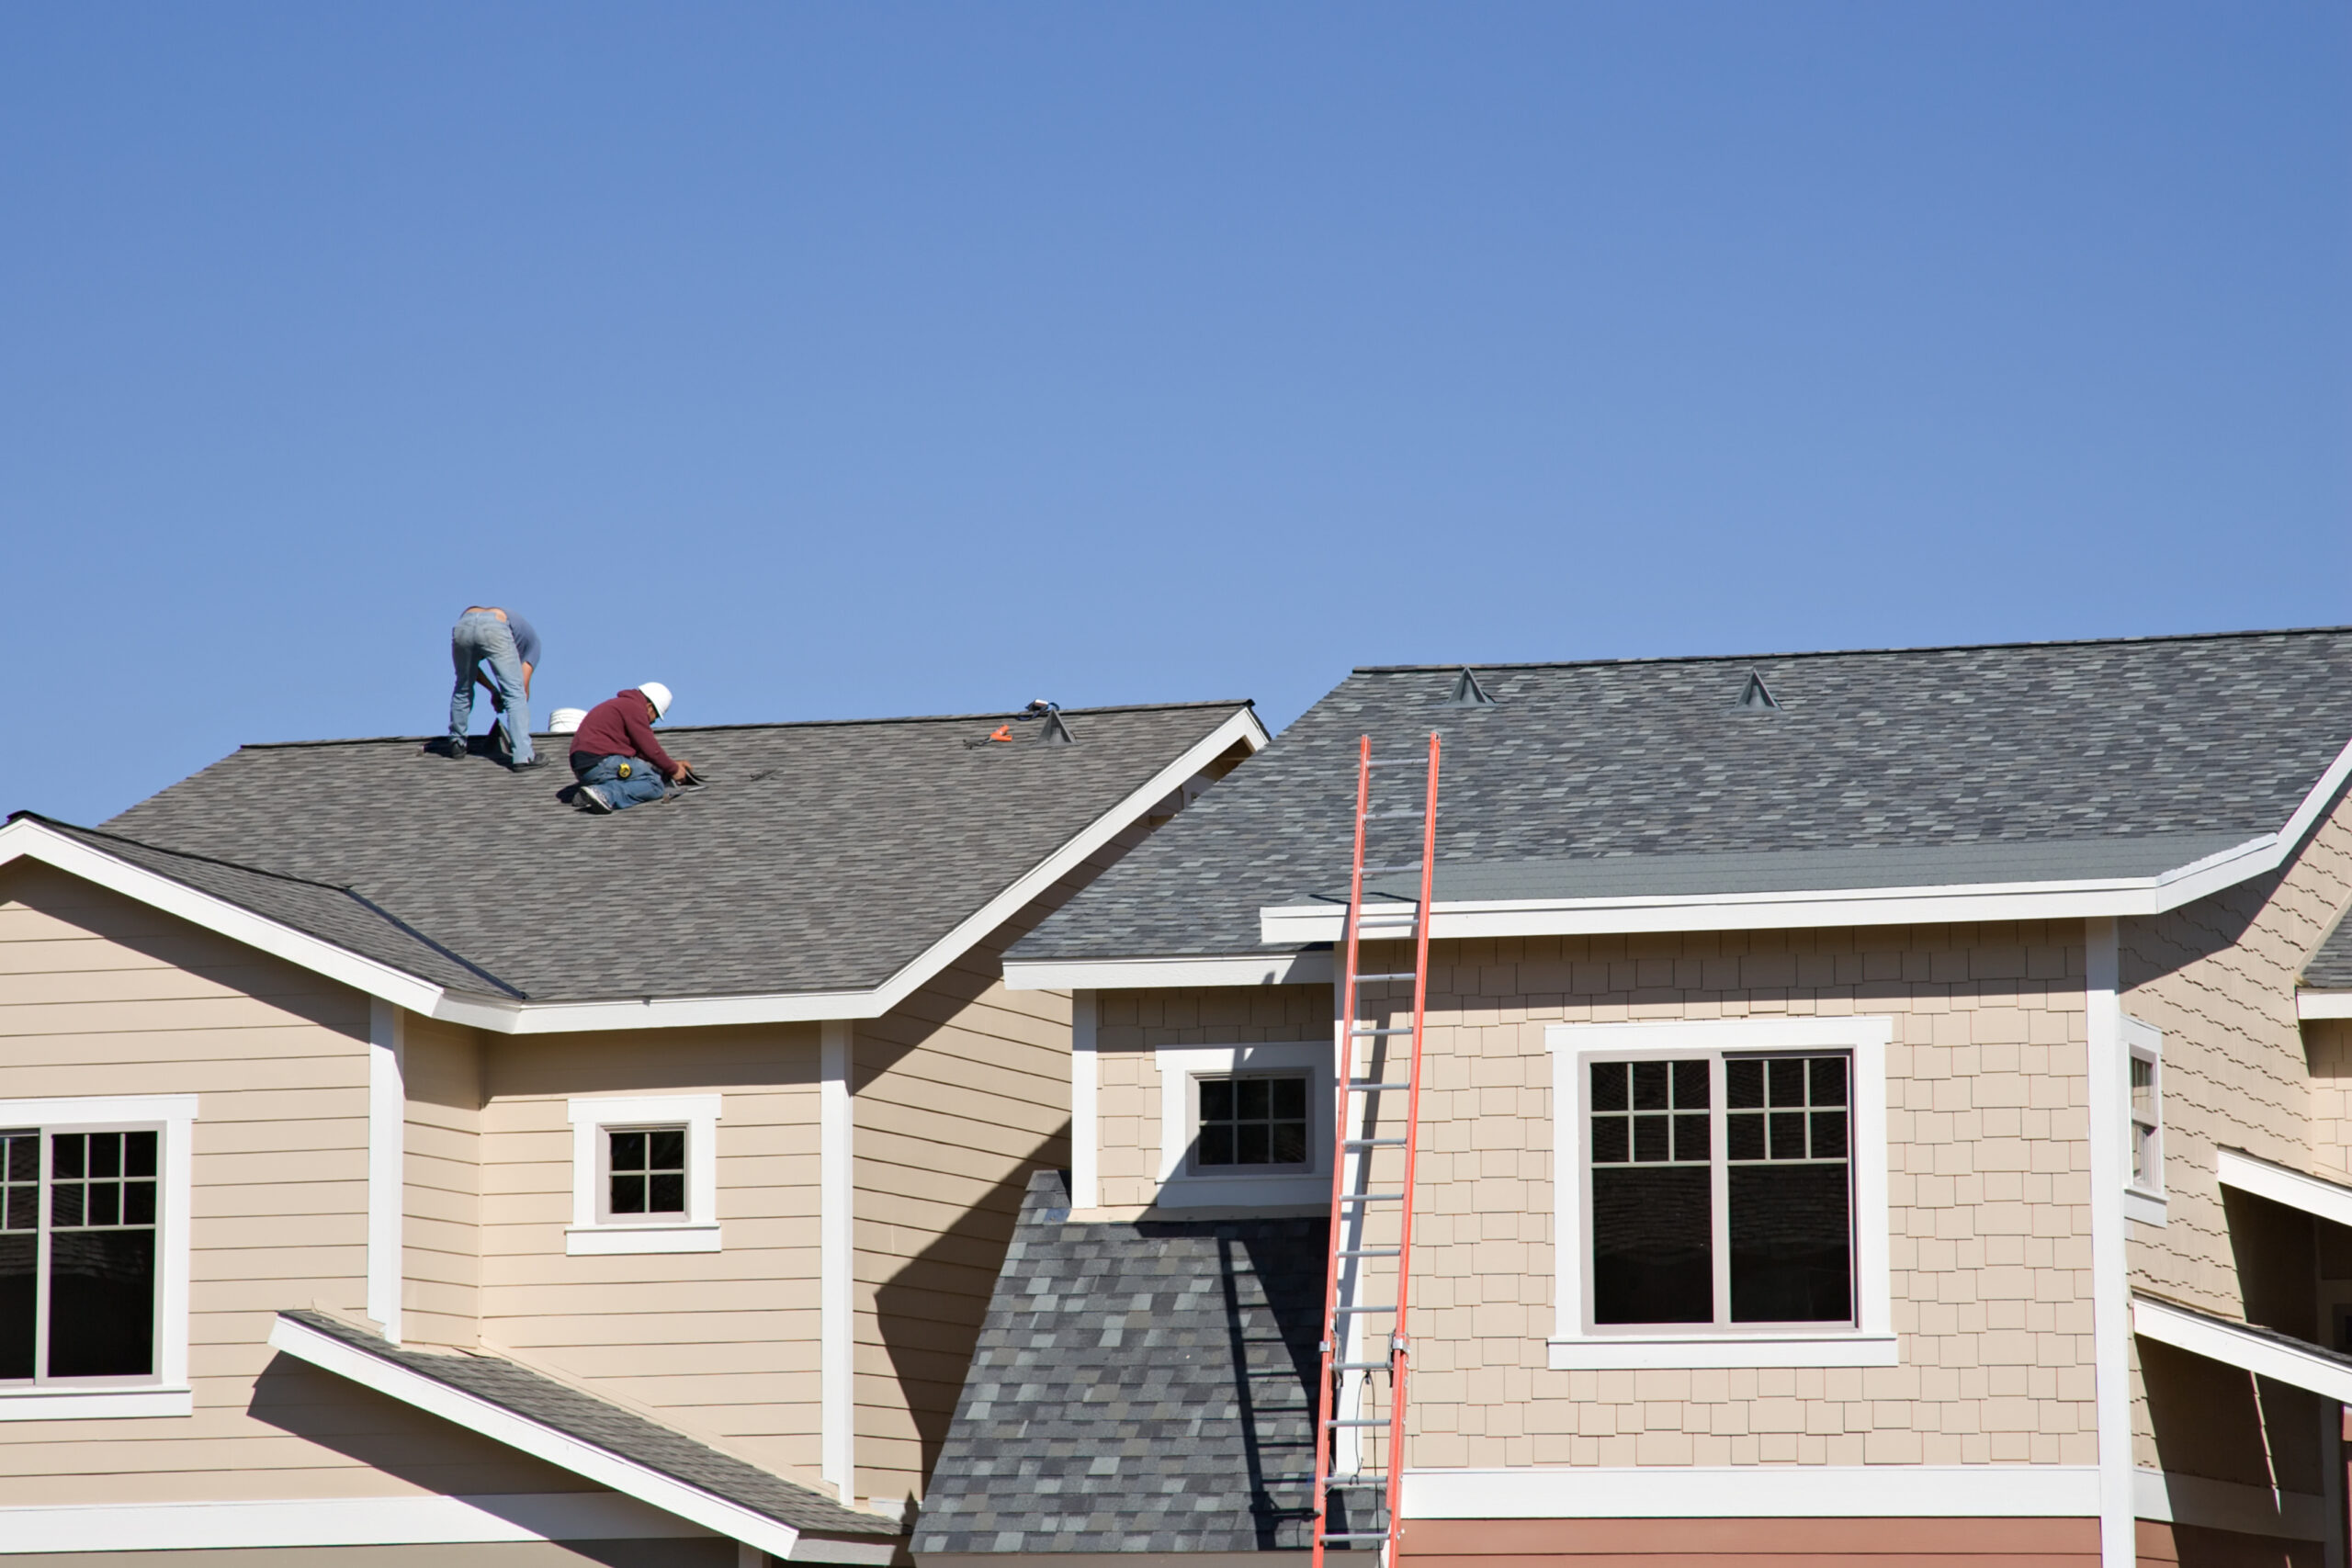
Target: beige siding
{"x": 1988, "y": 1195}
{"x": 723, "y": 1343}
{"x": 441, "y": 1286}
{"x": 99, "y": 996}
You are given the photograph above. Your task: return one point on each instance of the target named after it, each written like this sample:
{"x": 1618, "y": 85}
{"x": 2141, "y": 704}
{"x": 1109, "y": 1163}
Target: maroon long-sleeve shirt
{"x": 617, "y": 728}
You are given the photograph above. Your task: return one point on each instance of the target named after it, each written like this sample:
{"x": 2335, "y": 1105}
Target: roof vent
{"x": 1756, "y": 697}
{"x": 1054, "y": 731}
{"x": 1467, "y": 692}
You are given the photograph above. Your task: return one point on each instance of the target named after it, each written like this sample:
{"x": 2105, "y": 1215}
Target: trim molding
{"x": 1311, "y": 968}
{"x": 519, "y": 1432}
{"x": 1178, "y": 1064}
{"x": 2109, "y": 1088}
{"x": 1762, "y": 1491}
{"x": 1085, "y": 1105}
{"x": 336, "y": 1521}
{"x": 2312, "y": 1194}
{"x": 2323, "y": 1004}
{"x": 27, "y": 839}
{"x": 387, "y": 1161}
{"x": 2217, "y": 1339}
{"x": 836, "y": 1236}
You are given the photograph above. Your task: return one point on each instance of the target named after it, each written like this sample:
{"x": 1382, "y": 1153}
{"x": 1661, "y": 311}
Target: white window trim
{"x": 166, "y": 1394}
{"x": 698, "y": 1232}
{"x": 1181, "y": 1189}
{"x": 2145, "y": 1200}
{"x": 1871, "y": 1342}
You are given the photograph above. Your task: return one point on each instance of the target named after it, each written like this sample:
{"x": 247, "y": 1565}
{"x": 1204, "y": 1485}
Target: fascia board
{"x": 2218, "y": 1341}
{"x": 1154, "y": 974}
{"x": 1294, "y": 924}
{"x": 25, "y": 839}
{"x": 2314, "y": 1195}
{"x": 527, "y": 1436}
{"x": 2323, "y": 1004}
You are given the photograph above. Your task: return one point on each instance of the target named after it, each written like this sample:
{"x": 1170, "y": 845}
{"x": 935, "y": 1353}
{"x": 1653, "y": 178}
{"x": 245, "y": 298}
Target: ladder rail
{"x": 1344, "y": 1317}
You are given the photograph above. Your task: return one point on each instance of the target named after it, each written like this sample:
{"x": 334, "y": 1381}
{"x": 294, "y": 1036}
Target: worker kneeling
{"x": 614, "y": 756}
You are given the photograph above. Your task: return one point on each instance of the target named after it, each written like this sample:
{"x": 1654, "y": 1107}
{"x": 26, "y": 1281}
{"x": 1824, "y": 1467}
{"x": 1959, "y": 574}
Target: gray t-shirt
{"x": 526, "y": 639}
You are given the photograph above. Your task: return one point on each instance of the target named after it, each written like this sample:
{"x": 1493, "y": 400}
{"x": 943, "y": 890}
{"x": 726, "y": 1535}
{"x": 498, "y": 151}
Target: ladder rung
{"x": 1373, "y": 1144}
{"x": 1357, "y": 1421}
{"x": 1370, "y": 1252}
{"x": 1365, "y": 1086}
{"x": 1364, "y": 1033}
{"x": 1340, "y": 1312}
{"x": 1357, "y": 1482}
{"x": 1359, "y": 1366}
{"x": 1391, "y": 816}
{"x": 1370, "y": 1197}
{"x": 1376, "y": 870}
{"x": 1398, "y": 763}
{"x": 1375, "y": 979}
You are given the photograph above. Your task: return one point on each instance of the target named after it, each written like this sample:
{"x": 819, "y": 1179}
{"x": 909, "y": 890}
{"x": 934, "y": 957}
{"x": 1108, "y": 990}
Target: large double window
{"x": 1721, "y": 1184}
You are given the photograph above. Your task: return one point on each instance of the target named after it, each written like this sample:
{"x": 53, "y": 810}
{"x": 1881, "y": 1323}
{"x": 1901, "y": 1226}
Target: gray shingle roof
{"x": 615, "y": 1429}
{"x": 821, "y": 856}
{"x": 1137, "y": 1387}
{"x": 2331, "y": 967}
{"x": 2028, "y": 758}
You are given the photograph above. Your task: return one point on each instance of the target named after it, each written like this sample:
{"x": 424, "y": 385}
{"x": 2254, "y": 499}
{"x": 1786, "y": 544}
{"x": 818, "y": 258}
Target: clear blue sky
{"x": 839, "y": 360}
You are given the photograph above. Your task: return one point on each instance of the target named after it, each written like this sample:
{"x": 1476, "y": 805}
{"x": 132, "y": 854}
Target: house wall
{"x": 441, "y": 1214}
{"x": 1988, "y": 1193}
{"x": 721, "y": 1344}
{"x": 100, "y": 995}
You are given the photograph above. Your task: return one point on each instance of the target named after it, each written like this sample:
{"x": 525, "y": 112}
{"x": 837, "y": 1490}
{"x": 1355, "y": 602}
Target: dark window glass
{"x": 1251, "y": 1120}
{"x": 649, "y": 1171}
{"x": 1652, "y": 1258}
{"x": 19, "y": 1255}
{"x": 101, "y": 1304}
{"x": 1608, "y": 1079}
{"x": 1791, "y": 1207}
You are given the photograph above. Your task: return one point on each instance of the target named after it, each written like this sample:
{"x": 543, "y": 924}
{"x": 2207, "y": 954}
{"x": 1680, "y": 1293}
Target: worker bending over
{"x": 614, "y": 756}
{"x": 498, "y": 650}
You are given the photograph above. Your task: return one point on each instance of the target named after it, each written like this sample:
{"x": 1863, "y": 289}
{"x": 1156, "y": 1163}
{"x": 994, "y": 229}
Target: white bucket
{"x": 564, "y": 721}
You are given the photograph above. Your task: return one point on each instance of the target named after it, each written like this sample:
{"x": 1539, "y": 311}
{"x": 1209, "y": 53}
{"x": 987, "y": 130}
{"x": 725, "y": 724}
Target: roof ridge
{"x": 793, "y": 723}
{"x": 1450, "y": 666}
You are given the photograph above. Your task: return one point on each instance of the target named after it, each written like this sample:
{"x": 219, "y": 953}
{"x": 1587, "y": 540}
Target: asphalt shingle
{"x": 2031, "y": 756}
{"x": 819, "y": 857}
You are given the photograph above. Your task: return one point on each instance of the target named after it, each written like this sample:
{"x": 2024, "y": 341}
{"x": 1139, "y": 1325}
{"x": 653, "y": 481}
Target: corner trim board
{"x": 1085, "y": 1105}
{"x": 387, "y": 1161}
{"x": 2109, "y": 1088}
{"x": 500, "y": 1425}
{"x": 836, "y": 1288}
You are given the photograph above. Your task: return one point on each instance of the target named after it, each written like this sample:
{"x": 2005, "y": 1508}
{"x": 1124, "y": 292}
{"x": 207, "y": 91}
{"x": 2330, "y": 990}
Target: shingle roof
{"x": 820, "y": 857}
{"x": 2030, "y": 759}
{"x": 1137, "y": 1387}
{"x": 615, "y": 1429}
{"x": 2331, "y": 967}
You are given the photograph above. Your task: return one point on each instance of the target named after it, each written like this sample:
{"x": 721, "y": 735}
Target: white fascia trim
{"x": 1754, "y": 1492}
{"x": 2323, "y": 1004}
{"x": 28, "y": 840}
{"x": 2329, "y": 1200}
{"x": 336, "y": 1521}
{"x": 1157, "y": 973}
{"x": 1872, "y": 1341}
{"x": 2200, "y": 1336}
{"x": 561, "y": 1450}
{"x": 387, "y": 1161}
{"x": 26, "y": 837}
{"x": 836, "y": 1259}
{"x": 2229, "y": 1505}
{"x": 1294, "y": 924}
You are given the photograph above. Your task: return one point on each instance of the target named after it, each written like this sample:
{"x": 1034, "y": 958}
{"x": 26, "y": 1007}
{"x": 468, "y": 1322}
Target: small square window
{"x": 1252, "y": 1120}
{"x": 645, "y": 1175}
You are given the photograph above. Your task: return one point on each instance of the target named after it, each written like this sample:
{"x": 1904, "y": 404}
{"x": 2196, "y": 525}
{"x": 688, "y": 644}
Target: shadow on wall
{"x": 425, "y": 1451}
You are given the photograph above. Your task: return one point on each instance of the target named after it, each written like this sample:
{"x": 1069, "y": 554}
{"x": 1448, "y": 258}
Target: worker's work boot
{"x": 592, "y": 800}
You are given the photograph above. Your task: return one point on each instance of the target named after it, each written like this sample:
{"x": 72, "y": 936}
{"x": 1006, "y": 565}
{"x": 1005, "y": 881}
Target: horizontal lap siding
{"x": 720, "y": 1343}
{"x": 102, "y": 996}
{"x": 441, "y": 1219}
{"x": 1752, "y": 1543}
{"x": 961, "y": 1092}
{"x": 1987, "y": 1191}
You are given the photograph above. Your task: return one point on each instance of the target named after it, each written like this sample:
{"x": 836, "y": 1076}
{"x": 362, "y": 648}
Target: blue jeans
{"x": 482, "y": 639}
{"x": 643, "y": 784}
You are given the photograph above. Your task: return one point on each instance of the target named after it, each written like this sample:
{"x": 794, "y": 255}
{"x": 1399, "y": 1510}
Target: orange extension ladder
{"x": 1352, "y": 1293}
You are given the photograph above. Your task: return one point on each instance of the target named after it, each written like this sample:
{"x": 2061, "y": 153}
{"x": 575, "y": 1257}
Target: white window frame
{"x": 591, "y": 1235}
{"x": 167, "y": 1393}
{"x": 1868, "y": 1342}
{"x": 1181, "y": 1067}
{"x": 2144, "y": 1197}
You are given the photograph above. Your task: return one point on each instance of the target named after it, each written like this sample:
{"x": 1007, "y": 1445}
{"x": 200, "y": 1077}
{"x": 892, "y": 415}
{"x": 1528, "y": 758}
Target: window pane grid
{"x": 647, "y": 1171}
{"x": 1258, "y": 1118}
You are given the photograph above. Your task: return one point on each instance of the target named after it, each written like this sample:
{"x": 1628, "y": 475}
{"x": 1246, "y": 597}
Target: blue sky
{"x": 830, "y": 360}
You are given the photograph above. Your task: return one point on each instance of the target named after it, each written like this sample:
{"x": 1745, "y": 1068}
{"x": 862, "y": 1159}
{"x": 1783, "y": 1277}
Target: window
{"x": 1258, "y": 1120}
{"x": 94, "y": 1217}
{"x": 2144, "y": 1199}
{"x": 1723, "y": 1199}
{"x": 1245, "y": 1125}
{"x": 645, "y": 1175}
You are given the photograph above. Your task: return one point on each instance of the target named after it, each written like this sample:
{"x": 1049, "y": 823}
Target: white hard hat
{"x": 658, "y": 694}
